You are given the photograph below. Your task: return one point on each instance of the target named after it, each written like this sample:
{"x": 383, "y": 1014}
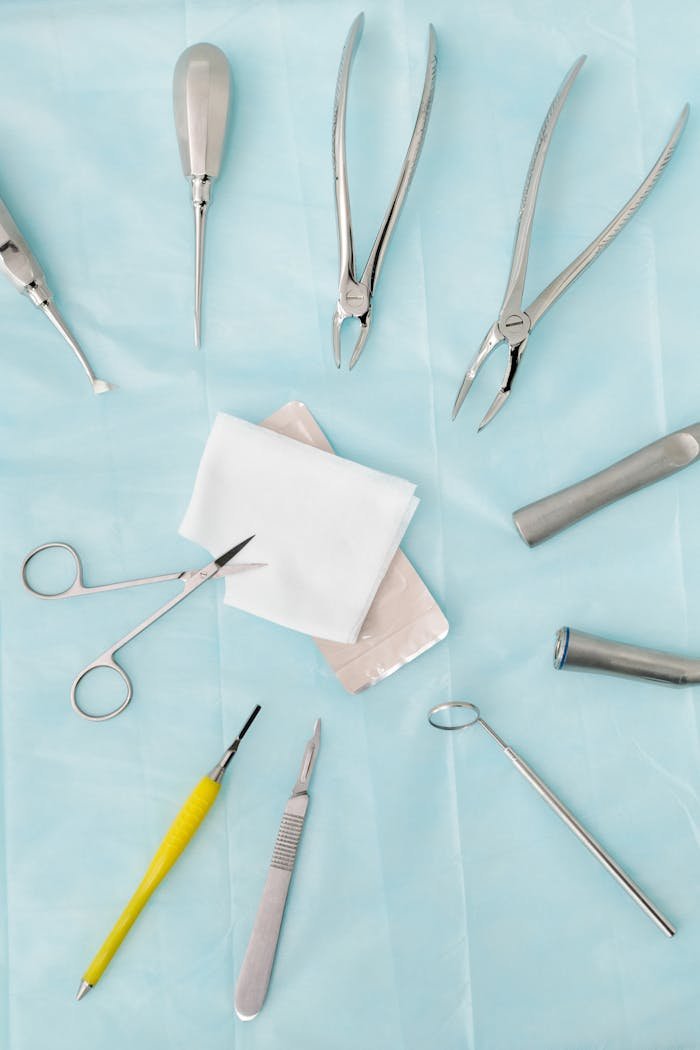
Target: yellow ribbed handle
{"x": 178, "y": 836}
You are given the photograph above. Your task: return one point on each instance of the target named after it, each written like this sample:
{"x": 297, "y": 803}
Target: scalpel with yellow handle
{"x": 179, "y": 834}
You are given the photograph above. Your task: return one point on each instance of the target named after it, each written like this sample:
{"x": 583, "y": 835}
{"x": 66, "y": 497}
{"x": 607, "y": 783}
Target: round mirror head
{"x": 453, "y": 714}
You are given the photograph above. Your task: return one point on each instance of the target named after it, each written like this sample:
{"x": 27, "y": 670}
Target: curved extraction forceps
{"x": 355, "y": 296}
{"x": 585, "y": 838}
{"x": 21, "y": 268}
{"x": 191, "y": 580}
{"x": 514, "y": 323}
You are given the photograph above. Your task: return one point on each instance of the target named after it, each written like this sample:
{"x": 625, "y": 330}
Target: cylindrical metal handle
{"x": 576, "y": 650}
{"x": 546, "y": 517}
{"x": 604, "y": 858}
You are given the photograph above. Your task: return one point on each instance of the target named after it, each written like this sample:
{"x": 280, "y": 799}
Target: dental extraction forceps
{"x": 191, "y": 580}
{"x": 514, "y": 323}
{"x": 355, "y": 296}
{"x": 564, "y": 814}
{"x": 23, "y": 271}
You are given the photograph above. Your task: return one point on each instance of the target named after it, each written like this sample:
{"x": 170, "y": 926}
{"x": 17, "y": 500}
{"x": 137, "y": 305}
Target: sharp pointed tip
{"x": 357, "y": 352}
{"x": 459, "y": 400}
{"x": 496, "y": 406}
{"x": 83, "y": 988}
{"x": 225, "y": 558}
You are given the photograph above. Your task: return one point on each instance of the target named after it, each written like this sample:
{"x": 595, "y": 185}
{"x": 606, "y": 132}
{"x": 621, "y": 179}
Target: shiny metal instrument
{"x": 21, "y": 268}
{"x": 546, "y": 517}
{"x": 191, "y": 580}
{"x": 355, "y": 296}
{"x": 201, "y": 90}
{"x": 514, "y": 323}
{"x": 579, "y": 651}
{"x": 254, "y": 977}
{"x": 564, "y": 814}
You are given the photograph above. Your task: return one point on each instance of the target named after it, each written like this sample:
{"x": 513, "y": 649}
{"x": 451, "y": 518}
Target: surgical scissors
{"x": 564, "y": 814}
{"x": 515, "y": 324}
{"x": 191, "y": 580}
{"x": 355, "y": 297}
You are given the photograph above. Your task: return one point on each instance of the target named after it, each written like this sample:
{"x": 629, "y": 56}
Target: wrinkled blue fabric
{"x": 436, "y": 901}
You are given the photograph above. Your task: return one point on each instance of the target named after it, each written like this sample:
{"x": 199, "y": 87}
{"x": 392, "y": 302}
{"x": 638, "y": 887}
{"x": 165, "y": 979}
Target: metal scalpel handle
{"x": 546, "y": 517}
{"x": 254, "y": 977}
{"x": 579, "y": 651}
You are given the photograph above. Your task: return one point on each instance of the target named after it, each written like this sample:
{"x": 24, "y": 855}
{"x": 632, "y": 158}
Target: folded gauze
{"x": 327, "y": 528}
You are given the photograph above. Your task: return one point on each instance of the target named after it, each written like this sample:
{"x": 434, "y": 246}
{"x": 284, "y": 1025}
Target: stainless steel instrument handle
{"x": 579, "y": 651}
{"x": 611, "y": 866}
{"x": 539, "y": 306}
{"x": 513, "y": 297}
{"x": 370, "y": 274}
{"x": 546, "y": 517}
{"x": 254, "y": 977}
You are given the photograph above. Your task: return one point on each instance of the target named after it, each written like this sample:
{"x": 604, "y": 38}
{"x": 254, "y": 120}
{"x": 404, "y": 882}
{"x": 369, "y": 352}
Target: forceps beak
{"x": 361, "y": 339}
{"x": 515, "y": 352}
{"x": 338, "y": 318}
{"x": 492, "y": 339}
{"x": 337, "y": 325}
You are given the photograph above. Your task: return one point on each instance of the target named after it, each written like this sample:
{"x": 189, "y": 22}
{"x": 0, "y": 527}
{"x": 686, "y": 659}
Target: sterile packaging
{"x": 404, "y": 619}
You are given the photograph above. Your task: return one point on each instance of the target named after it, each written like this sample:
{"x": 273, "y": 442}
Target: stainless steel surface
{"x": 355, "y": 296}
{"x": 578, "y": 651}
{"x": 514, "y": 323}
{"x": 23, "y": 271}
{"x": 83, "y": 989}
{"x": 201, "y": 92}
{"x": 254, "y": 978}
{"x": 191, "y": 580}
{"x": 592, "y": 845}
{"x": 546, "y": 517}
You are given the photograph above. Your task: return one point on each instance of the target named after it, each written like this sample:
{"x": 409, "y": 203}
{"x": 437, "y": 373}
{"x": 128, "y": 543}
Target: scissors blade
{"x": 233, "y": 570}
{"x": 224, "y": 558}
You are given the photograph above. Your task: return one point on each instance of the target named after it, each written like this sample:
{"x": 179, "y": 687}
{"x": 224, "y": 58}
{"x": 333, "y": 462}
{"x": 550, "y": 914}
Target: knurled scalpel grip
{"x": 254, "y": 978}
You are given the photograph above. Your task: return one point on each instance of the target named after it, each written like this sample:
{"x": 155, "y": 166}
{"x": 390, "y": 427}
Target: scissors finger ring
{"x": 108, "y": 661}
